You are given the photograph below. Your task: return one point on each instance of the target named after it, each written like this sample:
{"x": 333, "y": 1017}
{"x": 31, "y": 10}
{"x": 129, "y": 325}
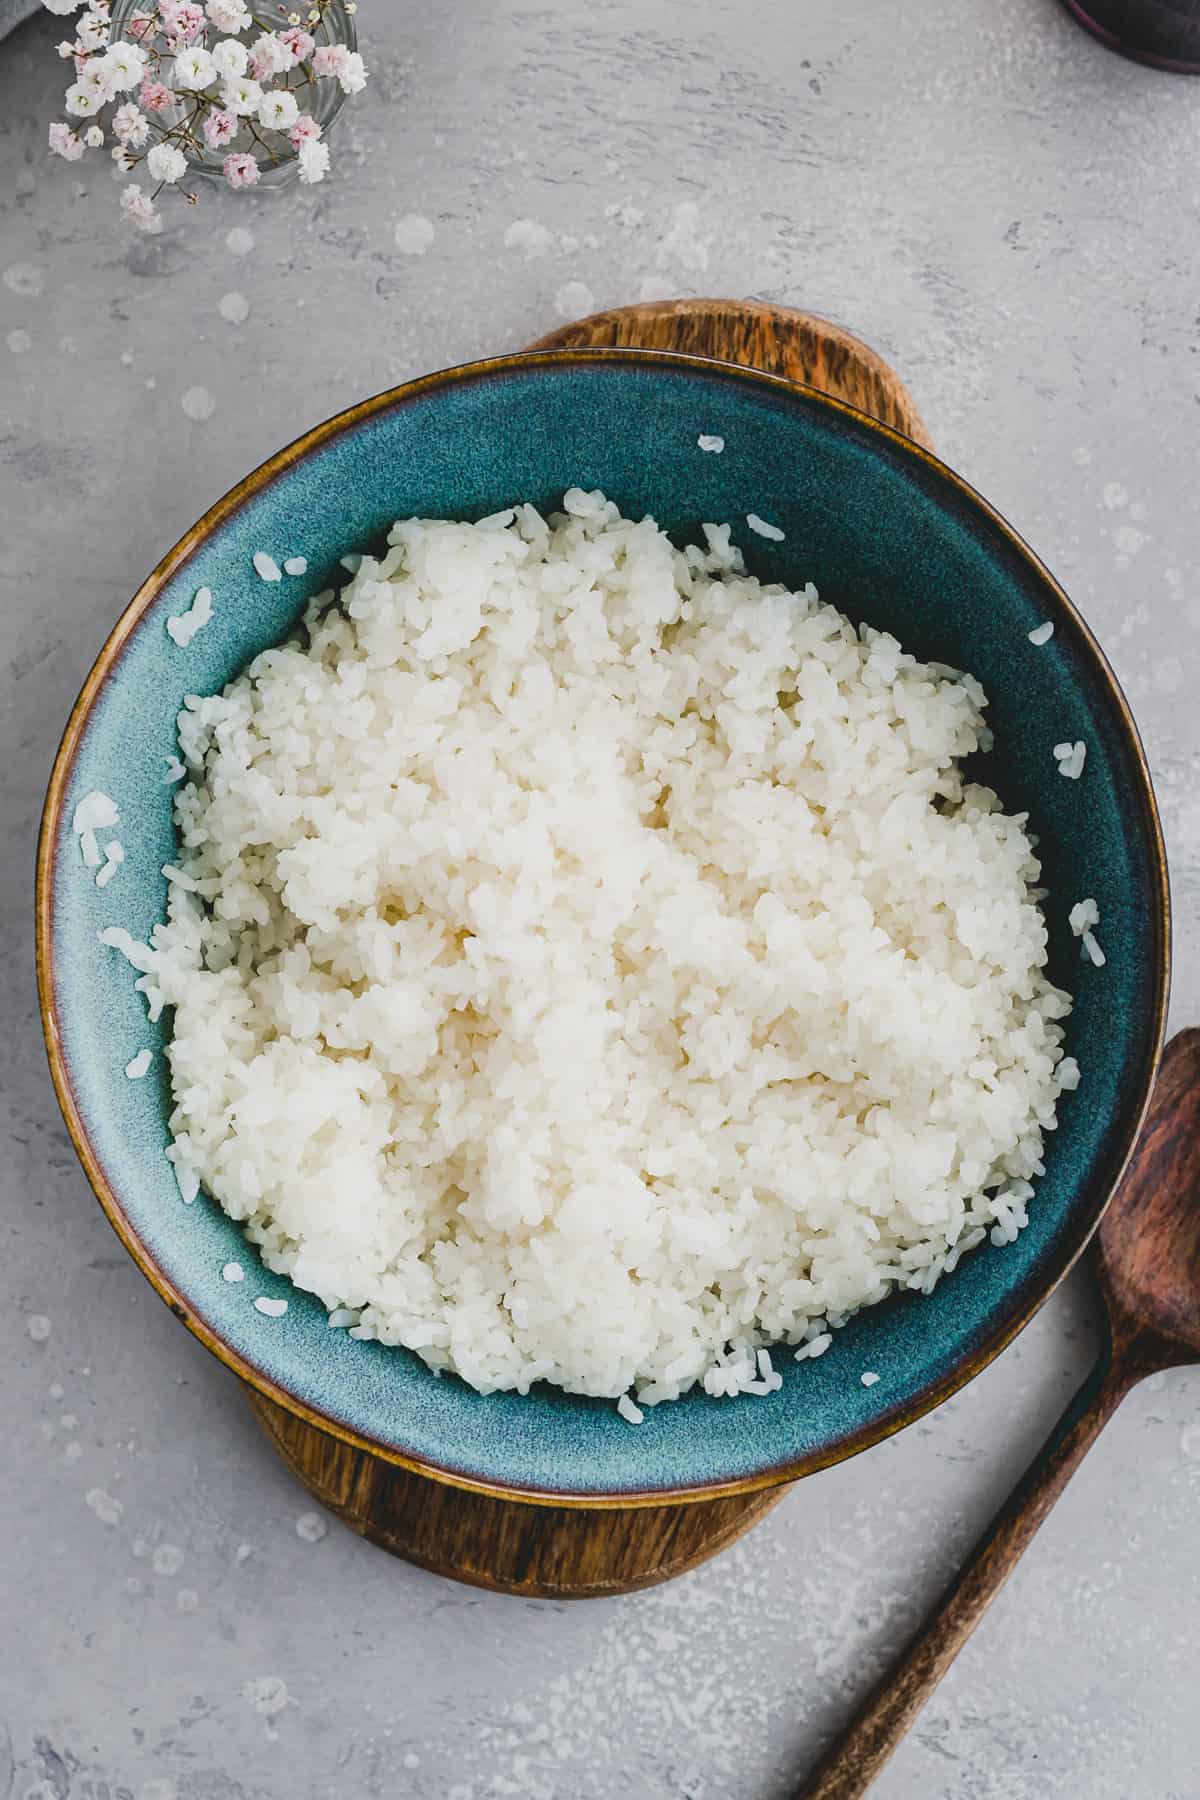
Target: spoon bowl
{"x": 1148, "y": 1255}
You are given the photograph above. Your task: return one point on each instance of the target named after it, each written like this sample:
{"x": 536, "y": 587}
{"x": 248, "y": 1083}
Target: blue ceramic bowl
{"x": 886, "y": 531}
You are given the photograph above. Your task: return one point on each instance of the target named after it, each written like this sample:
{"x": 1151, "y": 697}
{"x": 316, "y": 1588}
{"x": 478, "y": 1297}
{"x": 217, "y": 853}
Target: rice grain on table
{"x": 600, "y": 967}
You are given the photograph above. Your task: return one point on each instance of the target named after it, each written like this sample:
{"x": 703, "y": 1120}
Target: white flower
{"x": 269, "y": 56}
{"x": 194, "y": 68}
{"x": 277, "y": 110}
{"x": 353, "y": 74}
{"x": 93, "y": 137}
{"x": 124, "y": 66}
{"x": 61, "y": 7}
{"x": 314, "y": 161}
{"x": 94, "y": 78}
{"x": 83, "y": 98}
{"x": 241, "y": 95}
{"x": 166, "y": 163}
{"x": 65, "y": 48}
{"x": 230, "y": 58}
{"x": 64, "y": 143}
{"x": 139, "y": 208}
{"x": 92, "y": 31}
{"x": 130, "y": 125}
{"x": 228, "y": 15}
{"x": 329, "y": 59}
{"x": 122, "y": 157}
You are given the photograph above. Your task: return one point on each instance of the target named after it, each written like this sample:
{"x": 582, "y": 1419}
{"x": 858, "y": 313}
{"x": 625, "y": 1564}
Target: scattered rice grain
{"x": 266, "y": 567}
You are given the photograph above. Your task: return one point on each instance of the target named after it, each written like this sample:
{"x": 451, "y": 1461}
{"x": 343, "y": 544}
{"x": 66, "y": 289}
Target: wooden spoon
{"x": 1148, "y": 1262}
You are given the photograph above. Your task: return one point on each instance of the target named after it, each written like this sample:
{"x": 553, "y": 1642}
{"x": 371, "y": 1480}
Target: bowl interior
{"x": 888, "y": 536}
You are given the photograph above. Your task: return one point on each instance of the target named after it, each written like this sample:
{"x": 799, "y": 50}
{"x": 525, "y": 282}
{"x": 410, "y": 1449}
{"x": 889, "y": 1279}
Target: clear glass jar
{"x": 274, "y": 152}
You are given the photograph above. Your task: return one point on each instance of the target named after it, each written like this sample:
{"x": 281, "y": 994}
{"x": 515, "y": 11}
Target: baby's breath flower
{"x": 64, "y": 143}
{"x": 299, "y": 45}
{"x": 95, "y": 76}
{"x": 130, "y": 126}
{"x": 268, "y": 57}
{"x": 124, "y": 66}
{"x": 241, "y": 96}
{"x": 277, "y": 110}
{"x": 91, "y": 33}
{"x": 194, "y": 69}
{"x": 329, "y": 59}
{"x": 182, "y": 21}
{"x": 228, "y": 15}
{"x": 313, "y": 158}
{"x": 166, "y": 163}
{"x": 220, "y": 128}
{"x": 353, "y": 76}
{"x": 139, "y": 209}
{"x": 304, "y": 130}
{"x": 230, "y": 58}
{"x": 61, "y": 7}
{"x": 241, "y": 170}
{"x": 83, "y": 99}
{"x": 155, "y": 96}
{"x": 93, "y": 137}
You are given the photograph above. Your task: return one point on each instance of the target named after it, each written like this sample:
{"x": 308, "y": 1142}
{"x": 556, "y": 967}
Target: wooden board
{"x": 572, "y": 1552}
{"x": 546, "y": 1552}
{"x": 797, "y": 345}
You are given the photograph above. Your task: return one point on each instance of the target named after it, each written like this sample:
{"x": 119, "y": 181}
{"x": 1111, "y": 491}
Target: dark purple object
{"x": 1163, "y": 33}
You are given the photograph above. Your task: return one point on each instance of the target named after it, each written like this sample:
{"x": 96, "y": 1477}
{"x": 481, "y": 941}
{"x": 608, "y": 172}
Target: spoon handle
{"x": 882, "y": 1721}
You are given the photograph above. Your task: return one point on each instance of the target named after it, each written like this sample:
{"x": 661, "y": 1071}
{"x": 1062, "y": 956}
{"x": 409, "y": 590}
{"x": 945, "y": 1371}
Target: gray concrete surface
{"x": 1011, "y": 214}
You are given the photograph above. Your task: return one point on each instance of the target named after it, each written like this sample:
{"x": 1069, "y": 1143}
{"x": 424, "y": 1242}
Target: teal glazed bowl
{"x": 888, "y": 533}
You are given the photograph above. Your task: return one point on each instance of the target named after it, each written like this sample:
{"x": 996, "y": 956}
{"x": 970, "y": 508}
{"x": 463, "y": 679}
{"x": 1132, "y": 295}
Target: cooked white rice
{"x": 183, "y": 627}
{"x": 598, "y": 966}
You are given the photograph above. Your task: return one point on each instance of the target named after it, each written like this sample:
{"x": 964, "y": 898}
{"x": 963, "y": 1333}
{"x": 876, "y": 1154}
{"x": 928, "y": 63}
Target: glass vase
{"x": 322, "y": 99}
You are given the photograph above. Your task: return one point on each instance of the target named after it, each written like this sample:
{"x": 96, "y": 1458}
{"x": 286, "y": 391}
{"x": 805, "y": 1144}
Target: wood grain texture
{"x": 546, "y": 1552}
{"x": 1148, "y": 1263}
{"x": 779, "y": 339}
{"x": 571, "y": 1552}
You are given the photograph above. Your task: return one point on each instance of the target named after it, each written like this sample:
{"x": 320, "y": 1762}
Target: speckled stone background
{"x": 1010, "y": 213}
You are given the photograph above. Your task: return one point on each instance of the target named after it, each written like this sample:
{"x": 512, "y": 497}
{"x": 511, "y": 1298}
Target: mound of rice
{"x": 589, "y": 964}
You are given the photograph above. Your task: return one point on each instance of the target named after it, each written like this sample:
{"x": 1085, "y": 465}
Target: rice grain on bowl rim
{"x": 590, "y": 965}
